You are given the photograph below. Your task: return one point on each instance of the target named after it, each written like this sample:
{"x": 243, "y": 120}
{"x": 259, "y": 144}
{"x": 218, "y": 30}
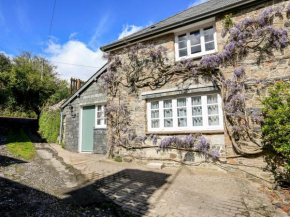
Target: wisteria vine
{"x": 142, "y": 65}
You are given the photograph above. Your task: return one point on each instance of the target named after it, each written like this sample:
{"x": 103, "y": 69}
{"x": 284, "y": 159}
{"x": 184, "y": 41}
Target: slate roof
{"x": 208, "y": 8}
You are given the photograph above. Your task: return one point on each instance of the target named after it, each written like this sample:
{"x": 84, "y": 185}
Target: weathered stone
{"x": 277, "y": 203}
{"x": 127, "y": 159}
{"x": 173, "y": 156}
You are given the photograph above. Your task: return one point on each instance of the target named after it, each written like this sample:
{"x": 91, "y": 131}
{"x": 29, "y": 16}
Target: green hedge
{"x": 49, "y": 122}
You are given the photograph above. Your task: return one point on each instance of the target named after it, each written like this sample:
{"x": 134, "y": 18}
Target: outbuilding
{"x": 83, "y": 124}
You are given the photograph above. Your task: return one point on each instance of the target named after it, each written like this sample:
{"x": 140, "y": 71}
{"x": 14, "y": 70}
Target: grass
{"x": 19, "y": 144}
{"x": 68, "y": 166}
{"x": 118, "y": 159}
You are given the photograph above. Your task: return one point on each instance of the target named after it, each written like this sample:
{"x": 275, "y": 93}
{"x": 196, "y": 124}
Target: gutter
{"x": 162, "y": 30}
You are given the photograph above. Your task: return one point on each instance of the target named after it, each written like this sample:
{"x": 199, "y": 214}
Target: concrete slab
{"x": 155, "y": 165}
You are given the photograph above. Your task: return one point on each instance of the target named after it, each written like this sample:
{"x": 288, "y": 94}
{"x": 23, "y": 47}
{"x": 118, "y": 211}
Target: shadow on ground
{"x": 7, "y": 161}
{"x": 29, "y": 125}
{"x": 129, "y": 188}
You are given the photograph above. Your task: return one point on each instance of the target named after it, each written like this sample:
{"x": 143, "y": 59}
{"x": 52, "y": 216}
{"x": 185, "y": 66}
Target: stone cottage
{"x": 169, "y": 110}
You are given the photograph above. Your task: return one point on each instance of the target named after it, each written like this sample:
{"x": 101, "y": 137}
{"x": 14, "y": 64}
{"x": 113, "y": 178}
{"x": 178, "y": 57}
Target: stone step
{"x": 155, "y": 165}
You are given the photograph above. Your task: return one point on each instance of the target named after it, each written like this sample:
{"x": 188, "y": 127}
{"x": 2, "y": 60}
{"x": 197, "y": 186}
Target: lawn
{"x": 19, "y": 144}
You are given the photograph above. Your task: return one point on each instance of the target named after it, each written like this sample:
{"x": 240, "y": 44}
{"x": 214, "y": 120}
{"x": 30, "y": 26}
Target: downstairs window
{"x": 197, "y": 112}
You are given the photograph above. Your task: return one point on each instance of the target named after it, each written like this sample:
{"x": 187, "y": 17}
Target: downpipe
{"x": 60, "y": 126}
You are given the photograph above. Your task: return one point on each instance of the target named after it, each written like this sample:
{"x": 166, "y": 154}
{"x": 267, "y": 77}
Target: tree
{"x": 30, "y": 83}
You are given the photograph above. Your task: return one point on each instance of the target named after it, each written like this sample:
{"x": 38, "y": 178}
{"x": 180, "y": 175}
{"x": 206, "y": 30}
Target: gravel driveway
{"x": 46, "y": 186}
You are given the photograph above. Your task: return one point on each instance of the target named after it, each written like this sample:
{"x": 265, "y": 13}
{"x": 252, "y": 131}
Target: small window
{"x": 196, "y": 111}
{"x": 155, "y": 114}
{"x": 181, "y": 112}
{"x": 196, "y": 43}
{"x": 101, "y": 120}
{"x": 209, "y": 39}
{"x": 168, "y": 113}
{"x": 182, "y": 44}
{"x": 213, "y": 110}
{"x": 185, "y": 113}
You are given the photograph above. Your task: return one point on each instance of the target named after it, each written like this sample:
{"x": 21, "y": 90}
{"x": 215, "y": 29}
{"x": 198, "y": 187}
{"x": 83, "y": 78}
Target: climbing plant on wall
{"x": 141, "y": 65}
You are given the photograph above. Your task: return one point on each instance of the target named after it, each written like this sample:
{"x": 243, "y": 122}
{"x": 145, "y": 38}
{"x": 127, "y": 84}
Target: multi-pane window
{"x": 101, "y": 119}
{"x": 213, "y": 110}
{"x": 196, "y": 43}
{"x": 181, "y": 112}
{"x": 185, "y": 113}
{"x": 155, "y": 115}
{"x": 182, "y": 45}
{"x": 209, "y": 39}
{"x": 168, "y": 113}
{"x": 196, "y": 111}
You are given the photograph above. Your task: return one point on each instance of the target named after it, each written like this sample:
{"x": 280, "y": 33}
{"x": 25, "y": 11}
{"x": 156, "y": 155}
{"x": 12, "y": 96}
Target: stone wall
{"x": 100, "y": 141}
{"x": 137, "y": 105}
{"x": 92, "y": 95}
{"x": 275, "y": 66}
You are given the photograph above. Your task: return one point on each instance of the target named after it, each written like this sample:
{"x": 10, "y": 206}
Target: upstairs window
{"x": 195, "y": 43}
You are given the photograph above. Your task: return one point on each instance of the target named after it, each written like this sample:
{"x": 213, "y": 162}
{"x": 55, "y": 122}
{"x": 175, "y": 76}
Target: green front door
{"x": 88, "y": 123}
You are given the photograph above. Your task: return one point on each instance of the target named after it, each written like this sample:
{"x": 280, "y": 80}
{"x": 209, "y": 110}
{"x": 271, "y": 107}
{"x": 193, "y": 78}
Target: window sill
{"x": 185, "y": 132}
{"x": 199, "y": 56}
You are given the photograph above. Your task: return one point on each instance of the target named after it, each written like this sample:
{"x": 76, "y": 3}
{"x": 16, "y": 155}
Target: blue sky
{"x": 79, "y": 28}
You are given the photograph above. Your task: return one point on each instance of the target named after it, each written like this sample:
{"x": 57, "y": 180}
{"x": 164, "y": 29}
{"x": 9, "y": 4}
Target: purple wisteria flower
{"x": 143, "y": 139}
{"x": 203, "y": 145}
{"x": 214, "y": 154}
{"x": 153, "y": 138}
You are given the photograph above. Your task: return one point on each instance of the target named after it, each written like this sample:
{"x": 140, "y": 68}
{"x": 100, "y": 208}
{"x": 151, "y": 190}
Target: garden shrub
{"x": 276, "y": 128}
{"x": 49, "y": 122}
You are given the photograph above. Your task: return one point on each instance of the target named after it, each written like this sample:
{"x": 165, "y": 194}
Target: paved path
{"x": 182, "y": 191}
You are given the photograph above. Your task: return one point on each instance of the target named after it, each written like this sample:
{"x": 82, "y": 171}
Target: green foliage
{"x": 28, "y": 83}
{"x": 118, "y": 159}
{"x": 49, "y": 122}
{"x": 19, "y": 144}
{"x": 276, "y": 128}
{"x": 228, "y": 22}
{"x": 68, "y": 166}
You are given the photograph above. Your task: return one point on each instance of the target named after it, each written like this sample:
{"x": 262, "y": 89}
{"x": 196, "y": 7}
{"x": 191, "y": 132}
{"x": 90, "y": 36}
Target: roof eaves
{"x": 88, "y": 82}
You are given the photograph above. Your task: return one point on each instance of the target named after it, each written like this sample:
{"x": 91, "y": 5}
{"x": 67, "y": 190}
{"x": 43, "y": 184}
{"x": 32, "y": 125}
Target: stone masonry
{"x": 273, "y": 67}
{"x": 92, "y": 95}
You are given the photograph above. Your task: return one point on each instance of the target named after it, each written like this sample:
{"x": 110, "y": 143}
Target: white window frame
{"x": 203, "y": 52}
{"x": 189, "y": 127}
{"x": 103, "y": 119}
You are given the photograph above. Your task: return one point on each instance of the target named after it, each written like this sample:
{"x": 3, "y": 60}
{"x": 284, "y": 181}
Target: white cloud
{"x": 72, "y": 35}
{"x": 100, "y": 29}
{"x": 22, "y": 16}
{"x": 6, "y": 54}
{"x": 74, "y": 52}
{"x": 128, "y": 30}
{"x": 197, "y": 2}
